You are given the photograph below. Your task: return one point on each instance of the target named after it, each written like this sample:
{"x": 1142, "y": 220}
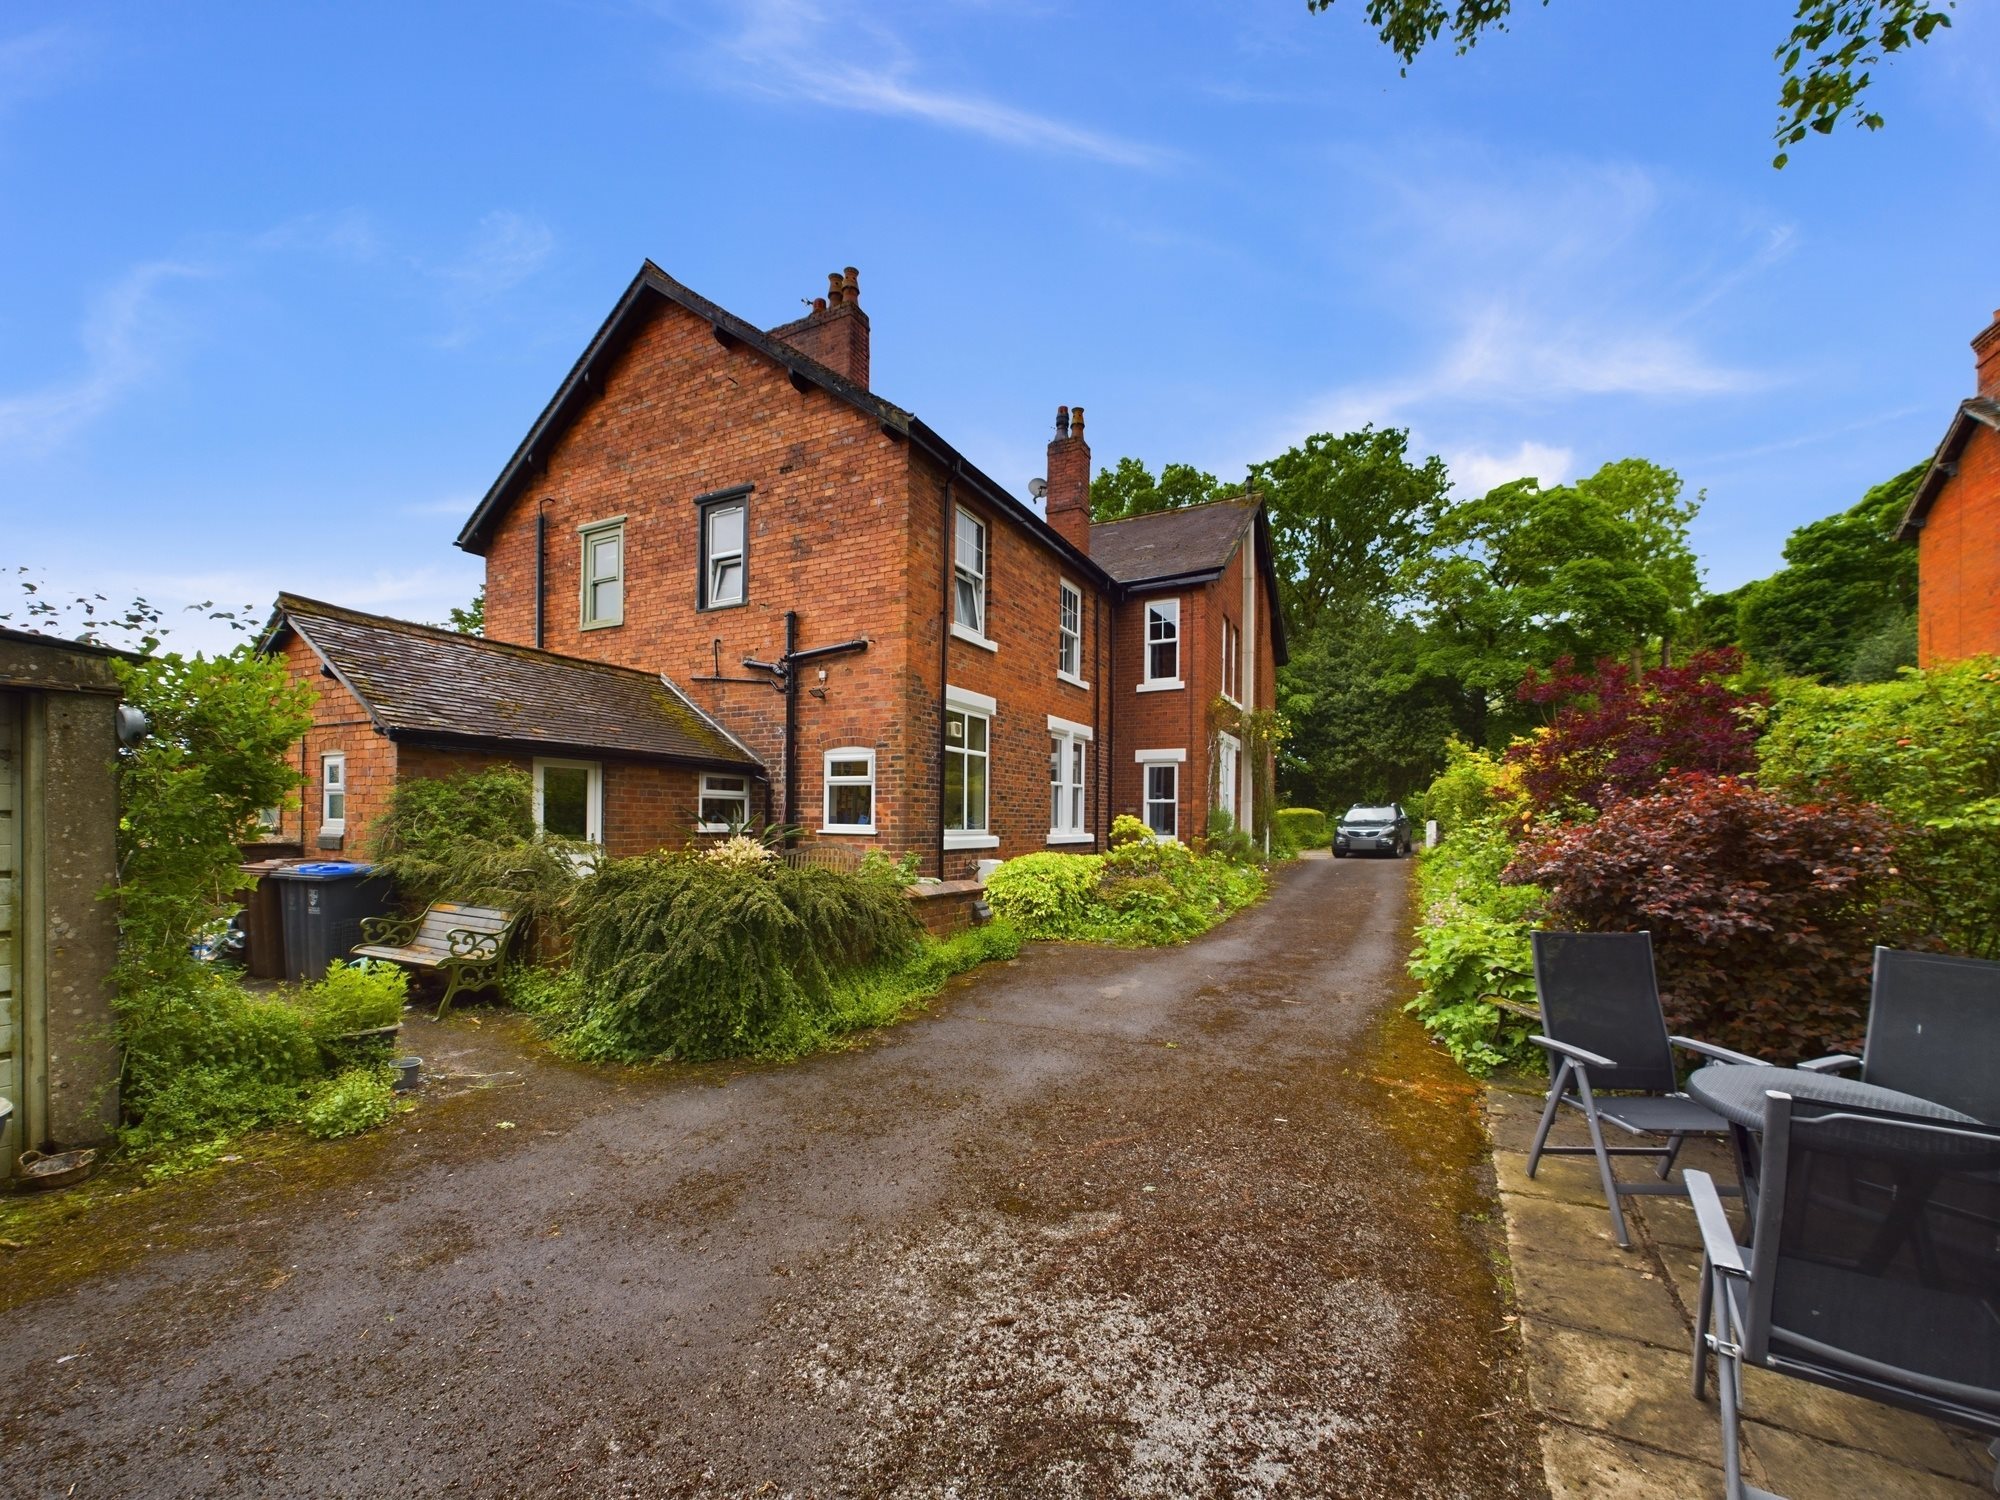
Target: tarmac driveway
{"x": 1203, "y": 1221}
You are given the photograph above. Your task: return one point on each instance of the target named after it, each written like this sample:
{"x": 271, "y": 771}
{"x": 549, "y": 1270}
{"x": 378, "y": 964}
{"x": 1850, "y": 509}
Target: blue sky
{"x": 282, "y": 286}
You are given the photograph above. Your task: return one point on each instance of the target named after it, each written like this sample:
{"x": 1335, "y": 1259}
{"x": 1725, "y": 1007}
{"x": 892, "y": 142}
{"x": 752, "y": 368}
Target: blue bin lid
{"x": 324, "y": 869}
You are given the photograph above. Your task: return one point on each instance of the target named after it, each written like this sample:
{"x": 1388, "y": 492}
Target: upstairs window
{"x": 850, "y": 792}
{"x": 724, "y": 550}
{"x": 333, "y": 792}
{"x": 603, "y": 574}
{"x": 968, "y": 562}
{"x": 1069, "y": 634}
{"x": 1163, "y": 644}
{"x": 1232, "y": 662}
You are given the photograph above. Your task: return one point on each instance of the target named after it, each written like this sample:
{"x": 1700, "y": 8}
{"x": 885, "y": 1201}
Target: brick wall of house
{"x": 1958, "y": 558}
{"x": 341, "y": 724}
{"x": 647, "y": 805}
{"x": 682, "y": 416}
{"x": 1023, "y": 607}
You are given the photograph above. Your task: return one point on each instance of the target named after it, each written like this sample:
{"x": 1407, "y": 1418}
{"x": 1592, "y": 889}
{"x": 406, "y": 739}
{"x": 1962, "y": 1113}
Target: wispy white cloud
{"x": 846, "y": 56}
{"x": 36, "y": 63}
{"x": 505, "y": 250}
{"x": 123, "y": 336}
{"x": 1474, "y": 471}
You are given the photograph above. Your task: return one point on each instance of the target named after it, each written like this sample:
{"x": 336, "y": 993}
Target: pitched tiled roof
{"x": 1170, "y": 543}
{"x": 1984, "y": 410}
{"x": 421, "y": 682}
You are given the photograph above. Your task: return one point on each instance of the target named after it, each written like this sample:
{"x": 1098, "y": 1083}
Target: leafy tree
{"x": 1131, "y": 490}
{"x": 1347, "y": 513}
{"x": 1526, "y": 574}
{"x": 1367, "y": 724}
{"x": 1617, "y": 733}
{"x": 1846, "y": 579}
{"x": 1825, "y": 60}
{"x": 470, "y": 619}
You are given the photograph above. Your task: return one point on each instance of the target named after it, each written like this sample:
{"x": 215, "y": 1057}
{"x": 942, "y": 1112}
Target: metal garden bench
{"x": 468, "y": 945}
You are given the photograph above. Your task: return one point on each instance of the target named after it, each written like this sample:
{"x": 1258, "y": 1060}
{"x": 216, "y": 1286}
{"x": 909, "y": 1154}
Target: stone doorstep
{"x": 1608, "y": 1334}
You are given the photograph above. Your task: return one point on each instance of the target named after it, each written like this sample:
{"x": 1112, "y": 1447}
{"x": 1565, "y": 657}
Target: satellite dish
{"x": 1038, "y": 487}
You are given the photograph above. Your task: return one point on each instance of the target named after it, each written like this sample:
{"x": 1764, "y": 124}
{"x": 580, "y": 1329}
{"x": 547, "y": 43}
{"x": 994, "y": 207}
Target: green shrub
{"x": 1296, "y": 828}
{"x": 1048, "y": 895}
{"x": 1927, "y": 748}
{"x": 203, "y": 1058}
{"x": 676, "y": 955}
{"x": 1227, "y": 841}
{"x": 353, "y": 997}
{"x": 1143, "y": 891}
{"x": 471, "y": 838}
{"x": 886, "y": 992}
{"x": 1472, "y": 932}
{"x": 353, "y": 1100}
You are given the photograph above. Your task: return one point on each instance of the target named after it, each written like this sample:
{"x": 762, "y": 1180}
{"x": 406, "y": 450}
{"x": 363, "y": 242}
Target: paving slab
{"x": 1808, "y": 1468}
{"x": 1568, "y": 1178}
{"x": 1589, "y": 1466}
{"x": 1618, "y": 1388}
{"x": 1618, "y": 1297}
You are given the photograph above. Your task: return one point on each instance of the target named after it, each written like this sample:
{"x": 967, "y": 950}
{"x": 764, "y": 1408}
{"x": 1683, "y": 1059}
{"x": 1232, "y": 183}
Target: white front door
{"x": 1228, "y": 774}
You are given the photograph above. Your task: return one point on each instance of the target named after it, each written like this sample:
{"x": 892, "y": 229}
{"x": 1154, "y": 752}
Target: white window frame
{"x": 593, "y": 795}
{"x": 332, "y": 760}
{"x": 1067, "y": 638}
{"x": 1069, "y": 757}
{"x": 973, "y": 706}
{"x": 975, "y": 631}
{"x": 1149, "y": 762}
{"x": 1168, "y": 610}
{"x": 1229, "y": 789}
{"x": 706, "y": 793}
{"x": 709, "y": 556}
{"x": 590, "y": 533}
{"x": 828, "y": 781}
{"x": 1232, "y": 661}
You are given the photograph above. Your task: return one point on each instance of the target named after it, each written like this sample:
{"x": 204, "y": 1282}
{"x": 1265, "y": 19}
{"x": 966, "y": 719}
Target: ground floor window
{"x": 569, "y": 799}
{"x": 850, "y": 792}
{"x": 1163, "y": 798}
{"x": 333, "y": 792}
{"x": 965, "y": 764}
{"x": 725, "y": 803}
{"x": 1069, "y": 762}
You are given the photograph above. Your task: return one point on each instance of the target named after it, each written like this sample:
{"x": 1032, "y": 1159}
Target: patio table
{"x": 1736, "y": 1092}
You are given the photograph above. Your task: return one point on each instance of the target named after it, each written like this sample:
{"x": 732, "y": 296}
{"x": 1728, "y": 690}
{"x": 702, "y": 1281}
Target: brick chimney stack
{"x": 1069, "y": 479}
{"x": 835, "y": 332}
{"x": 1986, "y": 349}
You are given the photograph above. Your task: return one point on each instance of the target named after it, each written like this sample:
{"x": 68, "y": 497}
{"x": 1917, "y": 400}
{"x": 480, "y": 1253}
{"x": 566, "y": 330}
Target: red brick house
{"x": 1954, "y": 518}
{"x": 899, "y": 653}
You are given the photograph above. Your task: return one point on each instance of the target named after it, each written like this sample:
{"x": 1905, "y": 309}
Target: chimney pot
{"x": 818, "y": 305}
{"x": 851, "y": 284}
{"x": 833, "y": 289}
{"x": 1062, "y": 421}
{"x": 1076, "y": 420}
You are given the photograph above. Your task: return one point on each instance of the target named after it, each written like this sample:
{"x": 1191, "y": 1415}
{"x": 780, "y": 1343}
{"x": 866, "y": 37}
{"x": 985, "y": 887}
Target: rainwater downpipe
{"x": 541, "y": 565}
{"x": 947, "y": 534}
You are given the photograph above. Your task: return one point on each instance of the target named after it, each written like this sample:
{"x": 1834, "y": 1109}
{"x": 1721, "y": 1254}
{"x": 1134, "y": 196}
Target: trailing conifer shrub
{"x": 682, "y": 956}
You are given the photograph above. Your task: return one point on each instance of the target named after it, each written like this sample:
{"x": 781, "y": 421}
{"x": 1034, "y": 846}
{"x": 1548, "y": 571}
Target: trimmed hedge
{"x": 1296, "y": 828}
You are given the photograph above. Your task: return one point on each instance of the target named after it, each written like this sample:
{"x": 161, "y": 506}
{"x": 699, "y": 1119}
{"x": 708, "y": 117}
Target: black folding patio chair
{"x": 1611, "y": 1059}
{"x": 1933, "y": 1031}
{"x": 1874, "y": 1268}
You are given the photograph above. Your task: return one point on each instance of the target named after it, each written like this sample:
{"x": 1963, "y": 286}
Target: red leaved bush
{"x": 1763, "y": 912}
{"x": 1619, "y": 734}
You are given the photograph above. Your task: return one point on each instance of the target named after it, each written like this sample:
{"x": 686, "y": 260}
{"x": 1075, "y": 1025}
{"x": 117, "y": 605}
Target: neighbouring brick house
{"x": 1954, "y": 518}
{"x": 903, "y": 655}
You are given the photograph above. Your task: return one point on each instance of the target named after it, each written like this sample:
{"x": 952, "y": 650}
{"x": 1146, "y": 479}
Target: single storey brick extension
{"x": 727, "y": 583}
{"x": 1954, "y": 518}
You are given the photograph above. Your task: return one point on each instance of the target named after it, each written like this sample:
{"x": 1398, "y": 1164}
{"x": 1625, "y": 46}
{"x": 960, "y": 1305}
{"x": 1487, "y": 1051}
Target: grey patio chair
{"x": 1933, "y": 1031}
{"x": 1611, "y": 1059}
{"x": 1874, "y": 1268}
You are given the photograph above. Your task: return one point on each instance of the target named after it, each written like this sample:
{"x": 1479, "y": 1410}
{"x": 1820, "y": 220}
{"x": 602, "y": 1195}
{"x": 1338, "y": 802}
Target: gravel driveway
{"x": 1197, "y": 1222}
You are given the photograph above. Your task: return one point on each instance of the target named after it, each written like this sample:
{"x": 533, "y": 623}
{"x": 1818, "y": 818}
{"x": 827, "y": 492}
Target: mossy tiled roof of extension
{"x": 426, "y": 684}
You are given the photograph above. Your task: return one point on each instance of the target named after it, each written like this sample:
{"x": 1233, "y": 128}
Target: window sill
{"x": 973, "y": 637}
{"x": 601, "y": 624}
{"x": 850, "y": 828}
{"x": 1232, "y": 702}
{"x": 971, "y": 841}
{"x": 709, "y": 609}
{"x": 1162, "y": 685}
{"x": 1072, "y": 681}
{"x": 718, "y": 828}
{"x": 1072, "y": 838}
{"x": 333, "y": 830}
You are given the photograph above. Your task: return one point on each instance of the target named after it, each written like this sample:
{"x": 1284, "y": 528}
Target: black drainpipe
{"x": 541, "y": 553}
{"x": 1107, "y": 675}
{"x": 947, "y": 537}
{"x": 791, "y": 692}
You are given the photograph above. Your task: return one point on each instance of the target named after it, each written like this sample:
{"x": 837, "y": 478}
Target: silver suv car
{"x": 1373, "y": 830}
